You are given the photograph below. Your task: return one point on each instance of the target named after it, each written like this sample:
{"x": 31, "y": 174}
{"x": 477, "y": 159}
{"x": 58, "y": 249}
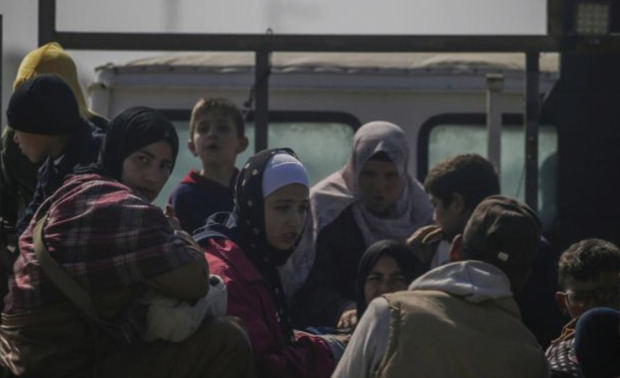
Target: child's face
{"x": 385, "y": 277}
{"x": 285, "y": 215}
{"x": 215, "y": 139}
{"x": 34, "y": 146}
{"x": 147, "y": 169}
{"x": 580, "y": 296}
{"x": 448, "y": 217}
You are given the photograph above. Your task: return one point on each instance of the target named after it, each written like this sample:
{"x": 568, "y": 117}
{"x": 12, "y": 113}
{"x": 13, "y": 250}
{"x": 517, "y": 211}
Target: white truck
{"x": 317, "y": 100}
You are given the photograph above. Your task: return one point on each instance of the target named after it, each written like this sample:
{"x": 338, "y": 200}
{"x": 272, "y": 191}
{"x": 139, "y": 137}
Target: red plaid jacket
{"x": 103, "y": 235}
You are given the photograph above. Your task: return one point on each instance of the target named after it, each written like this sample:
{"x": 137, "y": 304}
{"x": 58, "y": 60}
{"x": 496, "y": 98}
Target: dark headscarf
{"x": 403, "y": 256}
{"x": 246, "y": 227}
{"x": 129, "y": 131}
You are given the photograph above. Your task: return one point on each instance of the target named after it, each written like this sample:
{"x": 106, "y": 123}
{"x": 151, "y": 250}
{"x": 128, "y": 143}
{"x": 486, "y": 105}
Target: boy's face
{"x": 34, "y": 146}
{"x": 449, "y": 217}
{"x": 580, "y": 296}
{"x": 215, "y": 139}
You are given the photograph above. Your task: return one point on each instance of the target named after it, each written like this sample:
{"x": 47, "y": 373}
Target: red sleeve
{"x": 307, "y": 357}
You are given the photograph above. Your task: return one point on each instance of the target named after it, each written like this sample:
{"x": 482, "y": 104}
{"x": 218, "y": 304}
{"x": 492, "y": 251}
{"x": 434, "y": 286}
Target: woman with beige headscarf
{"x": 371, "y": 198}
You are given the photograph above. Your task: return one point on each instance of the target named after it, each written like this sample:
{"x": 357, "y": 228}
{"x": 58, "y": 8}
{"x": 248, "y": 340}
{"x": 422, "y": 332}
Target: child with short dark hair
{"x": 216, "y": 137}
{"x": 49, "y": 130}
{"x": 588, "y": 277}
{"x": 456, "y": 186}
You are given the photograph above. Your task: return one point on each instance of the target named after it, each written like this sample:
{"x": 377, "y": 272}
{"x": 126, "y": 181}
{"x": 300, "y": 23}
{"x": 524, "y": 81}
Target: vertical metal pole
{"x": 495, "y": 85}
{"x": 1, "y": 59}
{"x": 532, "y": 114}
{"x": 261, "y": 112}
{"x": 47, "y": 21}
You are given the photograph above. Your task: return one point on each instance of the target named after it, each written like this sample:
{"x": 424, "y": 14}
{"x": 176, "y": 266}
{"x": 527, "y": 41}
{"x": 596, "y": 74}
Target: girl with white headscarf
{"x": 371, "y": 198}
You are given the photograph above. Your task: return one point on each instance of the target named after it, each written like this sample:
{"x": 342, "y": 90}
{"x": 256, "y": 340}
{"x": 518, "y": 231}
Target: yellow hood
{"x": 52, "y": 59}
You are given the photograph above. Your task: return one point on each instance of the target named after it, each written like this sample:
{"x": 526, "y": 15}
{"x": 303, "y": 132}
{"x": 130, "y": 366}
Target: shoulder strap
{"x": 56, "y": 273}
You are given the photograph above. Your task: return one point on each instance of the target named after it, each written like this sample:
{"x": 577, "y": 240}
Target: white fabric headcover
{"x": 281, "y": 170}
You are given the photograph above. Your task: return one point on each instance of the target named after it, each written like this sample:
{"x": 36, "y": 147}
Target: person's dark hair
{"x": 131, "y": 130}
{"x": 470, "y": 175}
{"x": 587, "y": 259}
{"x": 221, "y": 105}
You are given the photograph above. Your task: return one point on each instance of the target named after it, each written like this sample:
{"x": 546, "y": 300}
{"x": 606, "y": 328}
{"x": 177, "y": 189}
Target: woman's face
{"x": 147, "y": 169}
{"x": 285, "y": 215}
{"x": 379, "y": 186}
{"x": 385, "y": 277}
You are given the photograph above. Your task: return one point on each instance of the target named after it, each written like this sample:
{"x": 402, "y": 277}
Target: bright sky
{"x": 255, "y": 16}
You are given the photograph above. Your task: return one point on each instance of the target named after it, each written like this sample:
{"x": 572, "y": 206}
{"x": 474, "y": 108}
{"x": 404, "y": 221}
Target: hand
{"x": 348, "y": 319}
{"x": 172, "y": 217}
{"x": 424, "y": 242}
{"x": 343, "y": 338}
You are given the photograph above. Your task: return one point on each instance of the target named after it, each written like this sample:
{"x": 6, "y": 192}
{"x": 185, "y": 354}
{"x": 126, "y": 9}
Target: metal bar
{"x": 1, "y": 59}
{"x": 261, "y": 112}
{"x": 301, "y": 43}
{"x": 532, "y": 113}
{"x": 495, "y": 86}
{"x": 47, "y": 21}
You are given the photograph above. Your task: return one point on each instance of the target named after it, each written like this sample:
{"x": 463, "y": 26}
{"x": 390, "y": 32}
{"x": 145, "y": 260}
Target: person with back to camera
{"x": 371, "y": 198}
{"x": 459, "y": 319}
{"x": 456, "y": 185}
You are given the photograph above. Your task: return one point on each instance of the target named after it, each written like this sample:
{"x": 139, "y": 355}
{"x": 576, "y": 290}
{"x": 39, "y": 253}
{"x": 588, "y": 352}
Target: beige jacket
{"x": 458, "y": 320}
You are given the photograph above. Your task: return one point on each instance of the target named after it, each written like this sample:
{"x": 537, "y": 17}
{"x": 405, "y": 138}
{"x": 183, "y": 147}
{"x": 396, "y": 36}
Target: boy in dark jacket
{"x": 216, "y": 137}
{"x": 456, "y": 186}
{"x": 48, "y": 129}
{"x": 18, "y": 175}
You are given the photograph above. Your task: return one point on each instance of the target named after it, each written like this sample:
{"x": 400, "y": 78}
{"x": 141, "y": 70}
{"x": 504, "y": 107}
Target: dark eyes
{"x": 166, "y": 166}
{"x": 143, "y": 159}
{"x": 222, "y": 128}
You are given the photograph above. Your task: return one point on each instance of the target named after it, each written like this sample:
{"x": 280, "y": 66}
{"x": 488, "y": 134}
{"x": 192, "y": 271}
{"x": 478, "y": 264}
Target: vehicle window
{"x": 452, "y": 139}
{"x": 323, "y": 147}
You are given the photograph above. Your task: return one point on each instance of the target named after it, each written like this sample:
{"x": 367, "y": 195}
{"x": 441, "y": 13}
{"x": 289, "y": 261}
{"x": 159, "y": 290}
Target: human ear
{"x": 192, "y": 147}
{"x": 560, "y": 299}
{"x": 458, "y": 202}
{"x": 243, "y": 144}
{"x": 455, "y": 248}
